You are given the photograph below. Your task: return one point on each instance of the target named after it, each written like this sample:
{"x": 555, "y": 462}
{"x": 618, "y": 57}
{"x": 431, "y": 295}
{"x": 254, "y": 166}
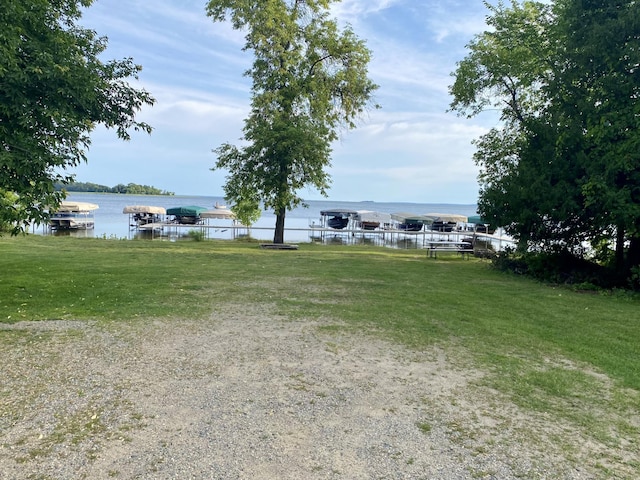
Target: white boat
{"x": 73, "y": 216}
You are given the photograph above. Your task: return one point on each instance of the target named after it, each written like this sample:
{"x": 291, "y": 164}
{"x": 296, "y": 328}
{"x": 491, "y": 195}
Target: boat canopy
{"x": 219, "y": 213}
{"x": 188, "y": 211}
{"x": 371, "y": 216}
{"x": 404, "y": 217}
{"x": 446, "y": 217}
{"x": 338, "y": 213}
{"x": 131, "y": 209}
{"x": 67, "y": 206}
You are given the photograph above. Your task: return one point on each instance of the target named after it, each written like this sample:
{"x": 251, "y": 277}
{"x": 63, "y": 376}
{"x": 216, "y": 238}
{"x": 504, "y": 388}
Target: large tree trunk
{"x": 283, "y": 180}
{"x": 278, "y": 235}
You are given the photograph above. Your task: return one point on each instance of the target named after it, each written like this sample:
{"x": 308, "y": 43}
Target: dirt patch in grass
{"x": 250, "y": 394}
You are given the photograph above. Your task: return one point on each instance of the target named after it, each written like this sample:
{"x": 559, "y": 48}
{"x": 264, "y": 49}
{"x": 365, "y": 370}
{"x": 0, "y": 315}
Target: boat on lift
{"x": 337, "y": 219}
{"x": 144, "y": 217}
{"x": 73, "y": 216}
{"x": 188, "y": 215}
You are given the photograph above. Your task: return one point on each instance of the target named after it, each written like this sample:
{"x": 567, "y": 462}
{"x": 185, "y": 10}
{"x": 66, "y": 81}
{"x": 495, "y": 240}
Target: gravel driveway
{"x": 249, "y": 395}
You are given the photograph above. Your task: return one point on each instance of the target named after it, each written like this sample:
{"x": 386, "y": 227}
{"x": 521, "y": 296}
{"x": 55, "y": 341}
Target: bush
{"x": 559, "y": 268}
{"x": 197, "y": 235}
{"x": 634, "y": 279}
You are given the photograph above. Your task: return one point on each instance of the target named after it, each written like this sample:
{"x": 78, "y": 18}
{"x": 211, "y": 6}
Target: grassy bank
{"x": 548, "y": 349}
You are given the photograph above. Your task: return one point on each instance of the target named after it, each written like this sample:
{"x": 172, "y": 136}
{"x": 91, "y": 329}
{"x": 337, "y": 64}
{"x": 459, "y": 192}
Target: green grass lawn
{"x": 547, "y": 348}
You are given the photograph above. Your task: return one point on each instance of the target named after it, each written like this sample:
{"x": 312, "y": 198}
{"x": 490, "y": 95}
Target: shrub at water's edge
{"x": 566, "y": 269}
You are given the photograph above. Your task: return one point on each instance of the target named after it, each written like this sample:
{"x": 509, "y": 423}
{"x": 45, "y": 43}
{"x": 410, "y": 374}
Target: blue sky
{"x": 411, "y": 150}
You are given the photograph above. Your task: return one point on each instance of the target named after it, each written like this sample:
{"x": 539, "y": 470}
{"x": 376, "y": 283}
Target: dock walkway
{"x": 434, "y": 242}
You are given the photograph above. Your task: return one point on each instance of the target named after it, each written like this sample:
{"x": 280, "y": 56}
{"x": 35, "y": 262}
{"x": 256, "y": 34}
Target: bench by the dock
{"x": 462, "y": 248}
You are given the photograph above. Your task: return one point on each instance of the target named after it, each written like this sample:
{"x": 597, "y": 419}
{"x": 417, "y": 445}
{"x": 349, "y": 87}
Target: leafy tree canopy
{"x": 54, "y": 90}
{"x": 563, "y": 169}
{"x": 309, "y": 81}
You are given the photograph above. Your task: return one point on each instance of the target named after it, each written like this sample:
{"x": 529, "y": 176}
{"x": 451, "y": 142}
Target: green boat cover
{"x": 477, "y": 219}
{"x": 188, "y": 211}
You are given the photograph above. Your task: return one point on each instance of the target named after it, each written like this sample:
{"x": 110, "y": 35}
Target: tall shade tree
{"x": 564, "y": 168}
{"x": 505, "y": 70}
{"x": 597, "y": 94}
{"x": 309, "y": 81}
{"x": 54, "y": 90}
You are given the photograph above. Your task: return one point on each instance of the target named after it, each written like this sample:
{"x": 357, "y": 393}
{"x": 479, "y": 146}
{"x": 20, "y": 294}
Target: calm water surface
{"x": 111, "y": 222}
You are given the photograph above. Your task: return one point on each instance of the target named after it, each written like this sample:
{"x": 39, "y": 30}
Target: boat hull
{"x": 187, "y": 219}
{"x": 338, "y": 223}
{"x": 369, "y": 225}
{"x": 66, "y": 221}
{"x": 443, "y": 226}
{"x": 410, "y": 227}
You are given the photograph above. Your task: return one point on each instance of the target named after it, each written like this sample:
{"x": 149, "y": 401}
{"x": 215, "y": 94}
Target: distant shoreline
{"x": 130, "y": 188}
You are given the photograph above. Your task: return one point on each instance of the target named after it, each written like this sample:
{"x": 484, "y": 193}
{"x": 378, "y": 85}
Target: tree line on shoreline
{"x": 130, "y": 188}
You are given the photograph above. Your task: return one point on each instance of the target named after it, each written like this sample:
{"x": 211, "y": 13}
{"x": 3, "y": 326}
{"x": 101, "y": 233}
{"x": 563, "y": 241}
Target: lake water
{"x": 110, "y": 222}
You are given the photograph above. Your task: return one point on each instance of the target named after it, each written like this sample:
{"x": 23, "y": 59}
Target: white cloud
{"x": 352, "y": 10}
{"x": 410, "y": 150}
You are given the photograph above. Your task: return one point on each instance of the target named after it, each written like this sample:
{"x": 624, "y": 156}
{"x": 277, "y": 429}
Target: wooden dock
{"x": 429, "y": 240}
